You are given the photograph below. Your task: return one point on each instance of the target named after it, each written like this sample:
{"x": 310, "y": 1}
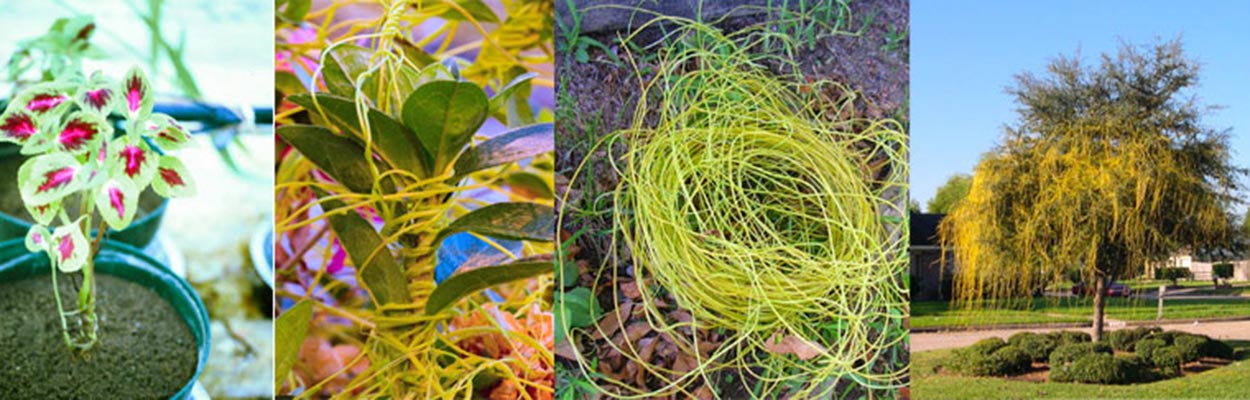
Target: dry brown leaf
{"x": 792, "y": 344}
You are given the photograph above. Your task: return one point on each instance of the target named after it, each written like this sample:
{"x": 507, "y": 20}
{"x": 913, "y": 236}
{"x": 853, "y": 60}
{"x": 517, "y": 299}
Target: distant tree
{"x": 1245, "y": 226}
{"x": 913, "y": 206}
{"x": 950, "y": 193}
{"x": 1107, "y": 168}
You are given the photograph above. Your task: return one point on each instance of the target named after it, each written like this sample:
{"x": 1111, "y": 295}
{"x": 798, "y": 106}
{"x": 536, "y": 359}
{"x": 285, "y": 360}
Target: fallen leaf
{"x": 792, "y": 344}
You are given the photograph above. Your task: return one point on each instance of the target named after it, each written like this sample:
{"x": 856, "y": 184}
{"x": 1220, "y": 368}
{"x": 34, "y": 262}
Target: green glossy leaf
{"x": 391, "y": 140}
{"x": 445, "y": 115}
{"x": 377, "y": 269}
{"x": 512, "y": 221}
{"x": 343, "y": 63}
{"x": 287, "y": 83}
{"x": 337, "y": 156}
{"x": 519, "y": 86}
{"x": 475, "y": 8}
{"x": 512, "y": 146}
{"x": 290, "y": 328}
{"x": 468, "y": 283}
{"x": 577, "y": 308}
{"x": 295, "y": 10}
{"x": 530, "y": 184}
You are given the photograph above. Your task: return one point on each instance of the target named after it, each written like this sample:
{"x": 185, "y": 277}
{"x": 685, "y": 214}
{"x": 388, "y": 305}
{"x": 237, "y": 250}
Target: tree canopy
{"x": 949, "y": 194}
{"x": 1107, "y": 167}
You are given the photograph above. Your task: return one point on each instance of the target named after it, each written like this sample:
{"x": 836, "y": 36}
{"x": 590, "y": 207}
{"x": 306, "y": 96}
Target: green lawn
{"x": 932, "y": 314}
{"x": 1226, "y": 382}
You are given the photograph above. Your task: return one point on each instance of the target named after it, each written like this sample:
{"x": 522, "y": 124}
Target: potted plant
{"x": 115, "y": 309}
{"x": 36, "y": 64}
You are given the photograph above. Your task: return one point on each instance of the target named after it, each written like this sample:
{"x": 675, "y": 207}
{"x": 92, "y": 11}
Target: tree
{"x": 950, "y": 193}
{"x": 1245, "y": 226}
{"x": 1107, "y": 168}
{"x": 913, "y": 206}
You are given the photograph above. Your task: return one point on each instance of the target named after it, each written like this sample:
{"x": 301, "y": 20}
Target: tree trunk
{"x": 1100, "y": 303}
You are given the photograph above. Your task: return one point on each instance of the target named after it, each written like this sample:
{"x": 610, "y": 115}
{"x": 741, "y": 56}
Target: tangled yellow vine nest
{"x": 765, "y": 210}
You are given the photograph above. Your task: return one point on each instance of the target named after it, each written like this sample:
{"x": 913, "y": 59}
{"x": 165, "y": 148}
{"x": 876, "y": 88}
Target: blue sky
{"x": 965, "y": 53}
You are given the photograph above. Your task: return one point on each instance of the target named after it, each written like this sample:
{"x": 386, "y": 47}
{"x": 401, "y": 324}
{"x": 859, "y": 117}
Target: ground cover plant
{"x": 753, "y": 243}
{"x": 416, "y": 252}
{"x": 1129, "y": 356}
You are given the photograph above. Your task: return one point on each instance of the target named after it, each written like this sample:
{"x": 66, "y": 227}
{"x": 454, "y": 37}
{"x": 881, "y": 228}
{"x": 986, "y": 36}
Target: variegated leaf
{"x": 19, "y": 126}
{"x": 117, "y": 200}
{"x": 43, "y": 99}
{"x": 165, "y": 130}
{"x": 131, "y": 158}
{"x": 172, "y": 179}
{"x": 136, "y": 97}
{"x": 49, "y": 177}
{"x": 98, "y": 95}
{"x": 69, "y": 247}
{"x": 82, "y": 132}
{"x": 43, "y": 214}
{"x": 37, "y": 239}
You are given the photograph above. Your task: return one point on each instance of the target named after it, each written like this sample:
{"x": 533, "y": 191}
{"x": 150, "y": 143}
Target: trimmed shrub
{"x": 1087, "y": 368}
{"x": 1222, "y": 271}
{"x": 989, "y": 358}
{"x": 1068, "y": 353}
{"x": 987, "y": 346}
{"x": 1171, "y": 273}
{"x": 1190, "y": 346}
{"x": 1218, "y": 349}
{"x": 1037, "y": 346}
{"x": 1168, "y": 359}
{"x": 1068, "y": 337}
{"x": 1124, "y": 339}
{"x": 1147, "y": 346}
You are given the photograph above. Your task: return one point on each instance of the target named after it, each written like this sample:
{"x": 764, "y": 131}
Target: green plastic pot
{"x": 139, "y": 234}
{"x": 126, "y": 262}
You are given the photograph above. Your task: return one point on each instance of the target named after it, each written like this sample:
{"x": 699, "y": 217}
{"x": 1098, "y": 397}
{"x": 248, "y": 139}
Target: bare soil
{"x": 145, "y": 350}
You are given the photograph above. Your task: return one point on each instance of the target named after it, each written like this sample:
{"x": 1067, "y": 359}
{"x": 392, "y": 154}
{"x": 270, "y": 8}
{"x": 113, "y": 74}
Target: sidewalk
{"x": 1235, "y": 330}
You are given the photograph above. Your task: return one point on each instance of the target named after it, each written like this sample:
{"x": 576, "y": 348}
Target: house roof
{"x": 924, "y": 229}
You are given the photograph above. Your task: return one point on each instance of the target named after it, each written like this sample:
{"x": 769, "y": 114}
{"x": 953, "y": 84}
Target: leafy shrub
{"x": 987, "y": 346}
{"x": 1190, "y": 346}
{"x": 989, "y": 358}
{"x": 1088, "y": 368}
{"x": 1222, "y": 270}
{"x": 1171, "y": 273}
{"x": 1124, "y": 339}
{"x": 1218, "y": 349}
{"x": 1146, "y": 347}
{"x": 1065, "y": 354}
{"x": 1069, "y": 337}
{"x": 1037, "y": 346}
{"x": 1168, "y": 359}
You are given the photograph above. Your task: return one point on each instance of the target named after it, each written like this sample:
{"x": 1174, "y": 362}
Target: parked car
{"x": 1115, "y": 289}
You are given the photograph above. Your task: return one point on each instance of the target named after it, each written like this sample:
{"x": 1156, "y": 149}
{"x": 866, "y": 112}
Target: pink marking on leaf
{"x": 56, "y": 178}
{"x": 44, "y": 102}
{"x": 134, "y": 93}
{"x": 99, "y": 98}
{"x": 37, "y": 238}
{"x": 66, "y": 248}
{"x": 171, "y": 177}
{"x": 19, "y": 126}
{"x": 77, "y": 133}
{"x": 133, "y": 156}
{"x": 117, "y": 200}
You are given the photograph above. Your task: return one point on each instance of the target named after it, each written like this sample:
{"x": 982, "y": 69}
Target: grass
{"x": 935, "y": 314}
{"x": 1226, "y": 382}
